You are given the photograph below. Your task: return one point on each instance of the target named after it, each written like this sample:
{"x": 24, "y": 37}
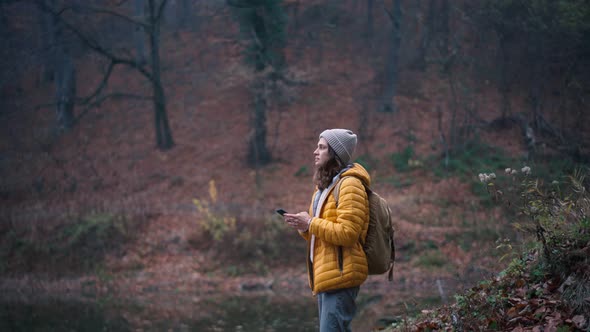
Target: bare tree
{"x": 444, "y": 28}
{"x": 65, "y": 90}
{"x": 64, "y": 72}
{"x": 151, "y": 70}
{"x": 263, "y": 24}
{"x": 391, "y": 66}
{"x": 46, "y": 40}
{"x": 139, "y": 33}
{"x": 426, "y": 36}
{"x": 503, "y": 81}
{"x": 370, "y": 20}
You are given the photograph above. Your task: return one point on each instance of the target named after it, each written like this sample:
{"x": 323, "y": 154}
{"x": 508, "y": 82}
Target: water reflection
{"x": 261, "y": 314}
{"x": 254, "y": 313}
{"x": 55, "y": 315}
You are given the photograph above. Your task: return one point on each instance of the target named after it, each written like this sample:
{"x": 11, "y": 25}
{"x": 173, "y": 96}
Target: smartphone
{"x": 281, "y": 211}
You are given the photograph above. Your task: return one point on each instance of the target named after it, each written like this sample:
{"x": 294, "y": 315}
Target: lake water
{"x": 258, "y": 313}
{"x": 265, "y": 312}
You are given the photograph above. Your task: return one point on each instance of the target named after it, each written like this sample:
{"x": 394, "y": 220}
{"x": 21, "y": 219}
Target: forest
{"x": 146, "y": 144}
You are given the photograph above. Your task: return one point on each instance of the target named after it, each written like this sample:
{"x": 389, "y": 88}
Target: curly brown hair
{"x": 324, "y": 174}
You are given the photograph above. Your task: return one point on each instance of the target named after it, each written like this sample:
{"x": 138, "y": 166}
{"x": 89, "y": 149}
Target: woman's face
{"x": 321, "y": 153}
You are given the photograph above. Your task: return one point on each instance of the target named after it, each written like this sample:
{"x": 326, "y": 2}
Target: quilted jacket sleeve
{"x": 307, "y": 235}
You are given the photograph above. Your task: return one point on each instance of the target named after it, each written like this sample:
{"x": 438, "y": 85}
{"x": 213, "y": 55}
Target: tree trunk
{"x": 369, "y": 29}
{"x": 258, "y": 154}
{"x": 536, "y": 65}
{"x": 391, "y": 72}
{"x": 454, "y": 108}
{"x": 139, "y": 33}
{"x": 535, "y": 95}
{"x": 445, "y": 12}
{"x": 164, "y": 139}
{"x": 48, "y": 42}
{"x": 503, "y": 82}
{"x": 65, "y": 83}
{"x": 64, "y": 74}
{"x": 426, "y": 37}
{"x": 264, "y": 24}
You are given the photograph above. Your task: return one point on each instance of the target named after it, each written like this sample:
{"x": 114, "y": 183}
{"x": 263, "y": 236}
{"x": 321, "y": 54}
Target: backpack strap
{"x": 336, "y": 190}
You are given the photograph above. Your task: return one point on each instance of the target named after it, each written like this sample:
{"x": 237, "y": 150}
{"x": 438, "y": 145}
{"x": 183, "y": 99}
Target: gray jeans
{"x": 337, "y": 309}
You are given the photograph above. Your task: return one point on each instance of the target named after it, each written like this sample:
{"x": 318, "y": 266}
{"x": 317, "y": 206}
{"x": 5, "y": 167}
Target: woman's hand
{"x": 299, "y": 221}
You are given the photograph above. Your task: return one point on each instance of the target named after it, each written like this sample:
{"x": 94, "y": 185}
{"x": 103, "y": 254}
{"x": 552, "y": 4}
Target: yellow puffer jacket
{"x": 338, "y": 257}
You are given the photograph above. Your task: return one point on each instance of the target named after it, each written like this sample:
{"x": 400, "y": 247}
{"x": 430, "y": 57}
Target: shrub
{"x": 78, "y": 244}
{"x": 432, "y": 259}
{"x": 266, "y": 240}
{"x": 554, "y": 217}
{"x": 247, "y": 242}
{"x": 402, "y": 161}
{"x": 216, "y": 222}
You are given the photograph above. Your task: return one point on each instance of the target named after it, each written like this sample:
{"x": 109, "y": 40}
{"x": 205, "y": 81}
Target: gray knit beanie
{"x": 342, "y": 141}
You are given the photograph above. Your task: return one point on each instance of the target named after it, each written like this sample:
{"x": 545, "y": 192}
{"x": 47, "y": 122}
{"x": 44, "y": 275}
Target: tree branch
{"x": 392, "y": 16}
{"x": 160, "y": 11}
{"x": 94, "y": 45}
{"x": 90, "y": 103}
{"x": 101, "y": 86}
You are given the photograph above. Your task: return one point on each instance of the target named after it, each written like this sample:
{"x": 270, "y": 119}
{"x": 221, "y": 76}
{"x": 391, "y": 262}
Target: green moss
{"x": 401, "y": 160}
{"x": 432, "y": 259}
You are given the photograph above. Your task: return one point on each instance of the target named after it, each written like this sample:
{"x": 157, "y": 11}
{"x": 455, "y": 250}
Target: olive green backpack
{"x": 378, "y": 245}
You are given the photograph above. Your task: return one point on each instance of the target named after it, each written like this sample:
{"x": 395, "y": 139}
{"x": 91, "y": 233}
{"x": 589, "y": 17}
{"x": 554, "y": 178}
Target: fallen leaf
{"x": 540, "y": 311}
{"x": 520, "y": 282}
{"x": 521, "y": 305}
{"x": 551, "y": 325}
{"x": 511, "y": 313}
{"x": 514, "y": 300}
{"x": 526, "y": 310}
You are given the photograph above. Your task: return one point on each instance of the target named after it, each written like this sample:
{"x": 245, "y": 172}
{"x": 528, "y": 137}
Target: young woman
{"x": 336, "y": 262}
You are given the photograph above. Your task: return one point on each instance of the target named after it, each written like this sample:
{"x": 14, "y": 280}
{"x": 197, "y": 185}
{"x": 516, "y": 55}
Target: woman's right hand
{"x": 299, "y": 221}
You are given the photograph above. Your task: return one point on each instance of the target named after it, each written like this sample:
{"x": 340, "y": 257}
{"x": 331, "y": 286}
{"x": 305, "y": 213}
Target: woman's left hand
{"x": 299, "y": 221}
